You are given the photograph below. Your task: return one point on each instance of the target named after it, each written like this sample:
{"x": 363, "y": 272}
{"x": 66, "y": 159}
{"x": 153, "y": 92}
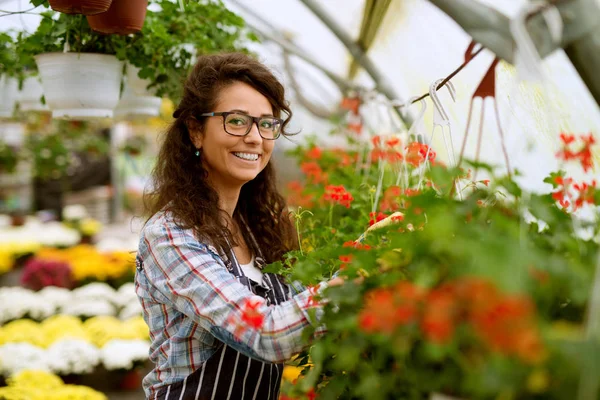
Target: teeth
{"x": 247, "y": 156}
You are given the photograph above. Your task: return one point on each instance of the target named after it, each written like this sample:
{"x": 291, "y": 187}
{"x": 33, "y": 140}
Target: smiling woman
{"x": 220, "y": 327}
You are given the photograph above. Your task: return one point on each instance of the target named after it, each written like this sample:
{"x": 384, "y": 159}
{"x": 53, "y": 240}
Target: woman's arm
{"x": 197, "y": 283}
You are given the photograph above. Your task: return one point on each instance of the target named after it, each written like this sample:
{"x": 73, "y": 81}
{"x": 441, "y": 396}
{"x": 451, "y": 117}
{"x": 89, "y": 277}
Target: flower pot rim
{"x": 70, "y": 54}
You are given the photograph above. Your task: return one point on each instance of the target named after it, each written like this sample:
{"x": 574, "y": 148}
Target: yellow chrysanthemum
{"x": 22, "y": 330}
{"x": 87, "y": 263}
{"x": 20, "y": 393}
{"x": 35, "y": 378}
{"x": 138, "y": 327}
{"x": 102, "y": 329}
{"x": 6, "y": 261}
{"x": 75, "y": 392}
{"x": 90, "y": 226}
{"x": 61, "y": 327}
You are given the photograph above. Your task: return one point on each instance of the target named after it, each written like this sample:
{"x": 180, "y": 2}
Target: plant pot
{"x": 30, "y": 97}
{"x": 80, "y": 86}
{"x": 122, "y": 18}
{"x": 9, "y": 89}
{"x": 86, "y": 7}
{"x": 137, "y": 100}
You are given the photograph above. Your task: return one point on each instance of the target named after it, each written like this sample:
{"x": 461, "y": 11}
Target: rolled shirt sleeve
{"x": 197, "y": 283}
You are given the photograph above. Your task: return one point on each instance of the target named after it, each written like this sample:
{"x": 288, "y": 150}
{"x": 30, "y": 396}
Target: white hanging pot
{"x": 80, "y": 85}
{"x": 143, "y": 106}
{"x": 9, "y": 88}
{"x": 137, "y": 85}
{"x": 137, "y": 100}
{"x": 30, "y": 96}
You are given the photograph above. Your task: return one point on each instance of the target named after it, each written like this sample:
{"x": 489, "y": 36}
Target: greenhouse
{"x": 299, "y": 199}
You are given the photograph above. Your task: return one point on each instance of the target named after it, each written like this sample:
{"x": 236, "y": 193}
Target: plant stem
{"x": 298, "y": 233}
{"x": 331, "y": 215}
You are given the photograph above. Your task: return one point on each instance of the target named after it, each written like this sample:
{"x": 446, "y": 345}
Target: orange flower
{"x": 314, "y": 153}
{"x": 338, "y": 194}
{"x": 313, "y": 172}
{"x": 347, "y": 259}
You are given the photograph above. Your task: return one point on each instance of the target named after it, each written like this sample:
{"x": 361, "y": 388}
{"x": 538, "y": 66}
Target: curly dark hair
{"x": 180, "y": 181}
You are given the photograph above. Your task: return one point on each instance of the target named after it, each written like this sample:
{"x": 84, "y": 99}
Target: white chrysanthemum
{"x": 74, "y": 212}
{"x": 17, "y": 302}
{"x": 109, "y": 245}
{"x": 89, "y": 308}
{"x": 15, "y": 357}
{"x": 122, "y": 354}
{"x": 132, "y": 310}
{"x": 55, "y": 295}
{"x": 54, "y": 234}
{"x": 94, "y": 291}
{"x": 126, "y": 295}
{"x": 72, "y": 356}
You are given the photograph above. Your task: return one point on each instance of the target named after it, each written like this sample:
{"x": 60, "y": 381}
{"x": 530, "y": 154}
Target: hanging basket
{"x": 86, "y": 7}
{"x": 137, "y": 100}
{"x": 80, "y": 86}
{"x": 9, "y": 89}
{"x": 30, "y": 96}
{"x": 122, "y": 18}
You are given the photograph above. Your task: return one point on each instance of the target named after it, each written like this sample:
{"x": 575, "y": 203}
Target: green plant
{"x": 9, "y": 158}
{"x": 464, "y": 296}
{"x": 58, "y": 31}
{"x": 165, "y": 48}
{"x": 9, "y": 65}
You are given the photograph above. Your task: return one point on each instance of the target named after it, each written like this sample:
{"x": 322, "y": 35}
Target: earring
{"x": 197, "y": 153}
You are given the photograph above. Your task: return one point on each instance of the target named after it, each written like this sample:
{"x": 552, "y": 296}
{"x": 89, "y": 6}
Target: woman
{"x": 220, "y": 328}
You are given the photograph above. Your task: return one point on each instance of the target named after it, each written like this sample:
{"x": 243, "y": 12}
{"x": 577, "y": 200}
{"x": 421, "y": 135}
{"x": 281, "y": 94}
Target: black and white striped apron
{"x": 229, "y": 374}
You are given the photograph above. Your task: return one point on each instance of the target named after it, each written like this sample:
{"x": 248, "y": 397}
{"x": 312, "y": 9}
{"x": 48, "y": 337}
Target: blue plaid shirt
{"x": 191, "y": 303}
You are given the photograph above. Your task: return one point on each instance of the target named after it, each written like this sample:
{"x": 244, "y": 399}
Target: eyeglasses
{"x": 236, "y": 123}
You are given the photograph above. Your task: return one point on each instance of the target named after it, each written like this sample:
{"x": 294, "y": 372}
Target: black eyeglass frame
{"x": 255, "y": 120}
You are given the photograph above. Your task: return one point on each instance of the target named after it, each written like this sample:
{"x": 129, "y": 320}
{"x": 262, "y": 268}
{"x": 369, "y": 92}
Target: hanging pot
{"x": 86, "y": 7}
{"x": 9, "y": 89}
{"x": 122, "y": 18}
{"x": 137, "y": 100}
{"x": 80, "y": 86}
{"x": 30, "y": 96}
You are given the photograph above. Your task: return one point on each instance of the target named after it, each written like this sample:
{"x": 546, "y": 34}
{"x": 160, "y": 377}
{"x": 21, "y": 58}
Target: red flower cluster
{"x": 584, "y": 193}
{"x": 338, "y": 194}
{"x": 313, "y": 172}
{"x": 505, "y": 324}
{"x": 416, "y": 152}
{"x": 346, "y": 259}
{"x": 39, "y": 273}
{"x": 296, "y": 196}
{"x": 582, "y": 151}
{"x": 389, "y": 153}
{"x": 376, "y": 217}
{"x": 251, "y": 317}
{"x": 357, "y": 245}
{"x": 314, "y": 153}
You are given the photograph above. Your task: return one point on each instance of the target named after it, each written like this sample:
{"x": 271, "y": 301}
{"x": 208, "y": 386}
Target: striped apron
{"x": 229, "y": 374}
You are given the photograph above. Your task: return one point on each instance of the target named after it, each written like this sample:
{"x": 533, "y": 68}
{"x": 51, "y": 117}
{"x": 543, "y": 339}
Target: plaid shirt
{"x": 191, "y": 303}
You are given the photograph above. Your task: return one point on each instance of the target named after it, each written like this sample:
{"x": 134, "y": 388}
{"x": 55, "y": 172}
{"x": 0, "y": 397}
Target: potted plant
{"x": 8, "y": 75}
{"x": 86, "y": 7}
{"x": 123, "y": 17}
{"x": 163, "y": 52}
{"x": 460, "y": 298}
{"x": 80, "y": 73}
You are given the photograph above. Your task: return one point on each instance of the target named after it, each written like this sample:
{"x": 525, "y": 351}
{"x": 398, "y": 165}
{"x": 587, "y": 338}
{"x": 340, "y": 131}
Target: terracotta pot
{"x": 86, "y": 7}
{"x": 122, "y": 18}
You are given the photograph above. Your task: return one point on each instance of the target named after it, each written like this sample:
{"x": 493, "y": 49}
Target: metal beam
{"x": 581, "y": 34}
{"x": 279, "y": 39}
{"x": 381, "y": 82}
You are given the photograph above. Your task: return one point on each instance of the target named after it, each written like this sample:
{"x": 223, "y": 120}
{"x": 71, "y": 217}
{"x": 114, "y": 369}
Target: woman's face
{"x": 234, "y": 160}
